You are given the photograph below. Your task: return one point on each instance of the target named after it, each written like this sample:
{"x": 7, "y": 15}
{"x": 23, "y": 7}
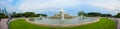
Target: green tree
{"x": 29, "y": 14}
{"x": 106, "y": 15}
{"x": 93, "y": 14}
{"x": 118, "y": 15}
{"x": 17, "y": 15}
{"x": 2, "y": 15}
{"x": 44, "y": 15}
{"x": 81, "y": 13}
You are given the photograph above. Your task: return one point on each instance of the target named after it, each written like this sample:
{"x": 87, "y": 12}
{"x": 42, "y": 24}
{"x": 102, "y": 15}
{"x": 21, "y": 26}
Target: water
{"x": 63, "y": 21}
{"x": 62, "y": 18}
{"x": 76, "y": 20}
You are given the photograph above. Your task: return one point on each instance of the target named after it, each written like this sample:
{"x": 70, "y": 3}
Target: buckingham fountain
{"x": 61, "y": 19}
{"x": 61, "y": 15}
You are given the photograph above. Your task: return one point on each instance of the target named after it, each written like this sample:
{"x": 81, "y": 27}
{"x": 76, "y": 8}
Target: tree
{"x": 2, "y": 15}
{"x": 29, "y": 14}
{"x": 44, "y": 15}
{"x": 118, "y": 15}
{"x": 17, "y": 15}
{"x": 81, "y": 13}
{"x": 93, "y": 14}
{"x": 106, "y": 15}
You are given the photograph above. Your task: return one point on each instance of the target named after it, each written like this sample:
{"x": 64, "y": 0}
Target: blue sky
{"x": 52, "y": 7}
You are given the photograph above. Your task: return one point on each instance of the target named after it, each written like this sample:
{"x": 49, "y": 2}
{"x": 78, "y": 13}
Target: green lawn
{"x": 104, "y": 23}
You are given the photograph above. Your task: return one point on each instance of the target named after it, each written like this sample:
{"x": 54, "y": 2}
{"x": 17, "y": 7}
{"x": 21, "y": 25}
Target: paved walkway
{"x": 118, "y": 21}
{"x": 3, "y": 24}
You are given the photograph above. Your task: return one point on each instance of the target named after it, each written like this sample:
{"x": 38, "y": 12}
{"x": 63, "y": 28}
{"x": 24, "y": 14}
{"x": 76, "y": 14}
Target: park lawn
{"x": 104, "y": 23}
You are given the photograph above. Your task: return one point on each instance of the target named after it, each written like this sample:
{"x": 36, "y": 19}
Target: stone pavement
{"x": 3, "y": 24}
{"x": 118, "y": 23}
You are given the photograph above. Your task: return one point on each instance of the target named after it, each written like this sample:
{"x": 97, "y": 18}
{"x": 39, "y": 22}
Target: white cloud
{"x": 107, "y": 4}
{"x": 28, "y": 5}
{"x": 38, "y": 4}
{"x": 113, "y": 6}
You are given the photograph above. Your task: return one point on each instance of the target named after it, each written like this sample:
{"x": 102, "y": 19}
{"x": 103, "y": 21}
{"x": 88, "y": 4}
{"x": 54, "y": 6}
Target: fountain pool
{"x": 60, "y": 20}
{"x": 66, "y": 22}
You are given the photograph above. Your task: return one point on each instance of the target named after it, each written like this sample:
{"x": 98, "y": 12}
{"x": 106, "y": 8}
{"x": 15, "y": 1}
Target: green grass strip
{"x": 104, "y": 23}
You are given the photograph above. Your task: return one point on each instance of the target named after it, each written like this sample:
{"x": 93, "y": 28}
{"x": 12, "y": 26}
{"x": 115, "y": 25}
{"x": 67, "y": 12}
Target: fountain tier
{"x": 61, "y": 15}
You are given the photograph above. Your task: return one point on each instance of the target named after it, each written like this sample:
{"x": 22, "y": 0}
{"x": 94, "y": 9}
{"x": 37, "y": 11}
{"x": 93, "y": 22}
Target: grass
{"x": 104, "y": 23}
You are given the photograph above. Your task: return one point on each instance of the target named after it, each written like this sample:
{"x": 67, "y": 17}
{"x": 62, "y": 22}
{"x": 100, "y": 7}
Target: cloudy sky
{"x": 71, "y": 7}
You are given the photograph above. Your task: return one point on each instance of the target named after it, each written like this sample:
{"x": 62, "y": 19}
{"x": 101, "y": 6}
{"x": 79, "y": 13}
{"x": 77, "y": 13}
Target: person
{"x": 0, "y": 19}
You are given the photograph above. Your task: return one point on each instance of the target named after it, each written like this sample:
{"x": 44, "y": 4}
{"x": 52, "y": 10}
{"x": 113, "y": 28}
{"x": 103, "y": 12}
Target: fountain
{"x": 57, "y": 20}
{"x": 62, "y": 13}
{"x": 82, "y": 16}
{"x": 40, "y": 17}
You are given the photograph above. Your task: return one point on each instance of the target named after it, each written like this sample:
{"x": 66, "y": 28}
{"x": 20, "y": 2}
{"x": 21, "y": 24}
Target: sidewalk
{"x": 118, "y": 26}
{"x": 3, "y": 24}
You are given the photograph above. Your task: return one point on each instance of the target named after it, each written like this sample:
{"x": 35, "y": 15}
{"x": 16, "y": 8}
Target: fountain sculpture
{"x": 61, "y": 15}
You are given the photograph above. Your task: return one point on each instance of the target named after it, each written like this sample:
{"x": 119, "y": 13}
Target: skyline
{"x": 71, "y": 7}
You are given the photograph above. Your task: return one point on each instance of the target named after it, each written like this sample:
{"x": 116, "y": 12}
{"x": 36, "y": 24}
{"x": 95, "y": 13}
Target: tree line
{"x": 97, "y": 14}
{"x": 32, "y": 14}
{"x": 26, "y": 14}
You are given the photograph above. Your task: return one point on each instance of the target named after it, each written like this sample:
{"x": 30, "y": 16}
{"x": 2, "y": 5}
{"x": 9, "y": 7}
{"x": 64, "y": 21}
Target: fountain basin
{"x": 63, "y": 23}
